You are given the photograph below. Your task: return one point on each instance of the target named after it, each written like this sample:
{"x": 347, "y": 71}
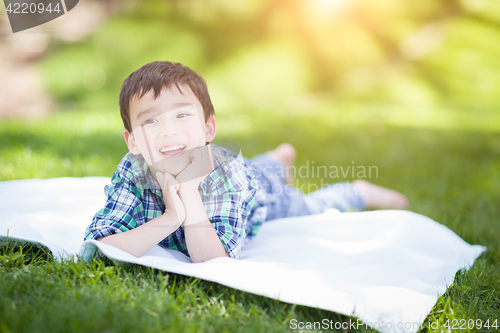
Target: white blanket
{"x": 385, "y": 266}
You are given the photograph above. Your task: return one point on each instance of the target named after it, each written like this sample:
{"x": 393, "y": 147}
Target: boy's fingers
{"x": 160, "y": 178}
{"x": 172, "y": 192}
{"x": 201, "y": 165}
{"x": 168, "y": 176}
{"x": 174, "y": 203}
{"x": 172, "y": 182}
{"x": 166, "y": 180}
{"x": 196, "y": 154}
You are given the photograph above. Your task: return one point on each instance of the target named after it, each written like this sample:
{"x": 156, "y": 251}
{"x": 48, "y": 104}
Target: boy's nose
{"x": 169, "y": 130}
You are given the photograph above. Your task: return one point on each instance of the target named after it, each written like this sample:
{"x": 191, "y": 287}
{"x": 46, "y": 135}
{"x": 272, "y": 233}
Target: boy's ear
{"x": 131, "y": 143}
{"x": 210, "y": 129}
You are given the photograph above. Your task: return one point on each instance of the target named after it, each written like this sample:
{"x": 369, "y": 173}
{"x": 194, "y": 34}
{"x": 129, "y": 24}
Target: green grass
{"x": 451, "y": 175}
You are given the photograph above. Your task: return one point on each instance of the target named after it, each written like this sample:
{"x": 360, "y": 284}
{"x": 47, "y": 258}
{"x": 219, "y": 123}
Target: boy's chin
{"x": 171, "y": 166}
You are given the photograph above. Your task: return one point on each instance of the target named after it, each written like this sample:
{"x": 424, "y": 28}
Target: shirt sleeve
{"x": 123, "y": 210}
{"x": 229, "y": 208}
{"x": 229, "y": 223}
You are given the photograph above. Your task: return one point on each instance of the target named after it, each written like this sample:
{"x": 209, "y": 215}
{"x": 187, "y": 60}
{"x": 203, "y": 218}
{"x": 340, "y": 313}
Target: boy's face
{"x": 165, "y": 130}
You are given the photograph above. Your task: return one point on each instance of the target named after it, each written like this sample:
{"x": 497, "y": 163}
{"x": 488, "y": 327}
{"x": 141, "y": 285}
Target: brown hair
{"x": 159, "y": 75}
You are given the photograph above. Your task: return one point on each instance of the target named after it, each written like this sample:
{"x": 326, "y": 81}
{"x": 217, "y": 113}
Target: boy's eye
{"x": 150, "y": 121}
{"x": 182, "y": 115}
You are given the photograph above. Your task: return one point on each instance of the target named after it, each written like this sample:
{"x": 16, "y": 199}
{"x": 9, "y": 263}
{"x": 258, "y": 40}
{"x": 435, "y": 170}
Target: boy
{"x": 177, "y": 190}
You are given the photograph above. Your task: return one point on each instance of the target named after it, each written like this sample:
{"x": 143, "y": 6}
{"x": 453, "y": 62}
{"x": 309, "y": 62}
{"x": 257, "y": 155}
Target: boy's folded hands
{"x": 201, "y": 166}
{"x": 179, "y": 191}
{"x": 173, "y": 203}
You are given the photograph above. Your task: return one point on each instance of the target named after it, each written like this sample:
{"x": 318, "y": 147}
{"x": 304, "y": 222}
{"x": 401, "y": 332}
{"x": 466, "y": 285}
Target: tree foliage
{"x": 262, "y": 54}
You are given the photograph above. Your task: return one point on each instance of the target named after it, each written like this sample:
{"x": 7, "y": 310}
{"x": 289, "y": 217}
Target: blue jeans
{"x": 286, "y": 201}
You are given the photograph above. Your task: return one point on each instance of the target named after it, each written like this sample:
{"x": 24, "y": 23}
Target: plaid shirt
{"x": 232, "y": 198}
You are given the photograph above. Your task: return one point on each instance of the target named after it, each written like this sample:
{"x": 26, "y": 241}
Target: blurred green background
{"x": 392, "y": 83}
{"x": 425, "y": 63}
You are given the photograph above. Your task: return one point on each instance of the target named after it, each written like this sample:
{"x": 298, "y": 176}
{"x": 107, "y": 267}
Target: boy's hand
{"x": 201, "y": 166}
{"x": 173, "y": 203}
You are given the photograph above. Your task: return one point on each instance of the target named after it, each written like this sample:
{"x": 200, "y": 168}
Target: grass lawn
{"x": 450, "y": 174}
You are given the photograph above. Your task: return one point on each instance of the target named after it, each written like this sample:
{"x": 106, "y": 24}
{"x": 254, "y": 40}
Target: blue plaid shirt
{"x": 232, "y": 198}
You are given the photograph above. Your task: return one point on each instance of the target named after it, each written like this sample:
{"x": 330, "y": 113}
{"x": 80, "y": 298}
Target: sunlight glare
{"x": 331, "y": 3}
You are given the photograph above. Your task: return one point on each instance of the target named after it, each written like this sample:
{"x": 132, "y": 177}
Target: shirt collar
{"x": 142, "y": 175}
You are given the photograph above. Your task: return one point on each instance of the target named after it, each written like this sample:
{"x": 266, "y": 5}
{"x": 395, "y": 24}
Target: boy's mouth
{"x": 172, "y": 150}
